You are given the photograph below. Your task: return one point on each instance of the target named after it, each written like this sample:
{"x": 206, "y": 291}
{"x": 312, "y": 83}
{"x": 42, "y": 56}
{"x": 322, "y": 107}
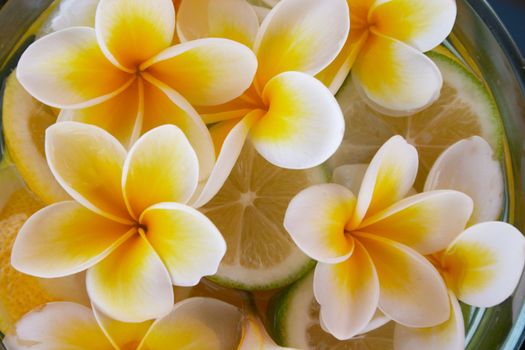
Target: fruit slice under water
{"x": 465, "y": 108}
{"x": 25, "y": 121}
{"x": 249, "y": 211}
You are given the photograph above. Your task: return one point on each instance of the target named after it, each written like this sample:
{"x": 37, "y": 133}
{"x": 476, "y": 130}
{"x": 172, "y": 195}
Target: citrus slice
{"x": 20, "y": 293}
{"x": 294, "y": 318}
{"x": 465, "y": 108}
{"x": 249, "y": 211}
{"x": 25, "y": 121}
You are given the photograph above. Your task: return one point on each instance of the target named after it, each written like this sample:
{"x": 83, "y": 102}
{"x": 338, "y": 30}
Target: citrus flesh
{"x": 249, "y": 211}
{"x": 465, "y": 108}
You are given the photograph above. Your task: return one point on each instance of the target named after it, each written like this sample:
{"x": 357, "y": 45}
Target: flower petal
{"x": 301, "y": 35}
{"x": 63, "y": 239}
{"x": 334, "y": 75}
{"x": 188, "y": 243}
{"x": 87, "y": 162}
{"x": 163, "y": 105}
{"x": 195, "y": 324}
{"x": 131, "y": 284}
{"x": 160, "y": 167}
{"x": 230, "y": 137}
{"x": 348, "y": 293}
{"x": 66, "y": 69}
{"x": 122, "y": 335}
{"x": 131, "y": 31}
{"x": 252, "y": 335}
{"x": 394, "y": 77}
{"x": 469, "y": 166}
{"x": 121, "y": 115}
{"x": 449, "y": 335}
{"x": 304, "y": 125}
{"x": 412, "y": 291}
{"x": 351, "y": 176}
{"x": 230, "y": 19}
{"x": 423, "y": 24}
{"x": 427, "y": 222}
{"x": 389, "y": 178}
{"x": 59, "y": 325}
{"x": 484, "y": 264}
{"x": 316, "y": 219}
{"x": 255, "y": 337}
{"x": 205, "y": 71}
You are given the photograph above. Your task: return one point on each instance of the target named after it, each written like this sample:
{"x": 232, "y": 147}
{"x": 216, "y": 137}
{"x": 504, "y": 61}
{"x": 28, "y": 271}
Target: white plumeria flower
{"x": 483, "y": 265}
{"x": 126, "y": 76}
{"x": 370, "y": 248}
{"x": 290, "y": 117}
{"x": 128, "y": 225}
{"x": 196, "y": 323}
{"x": 385, "y": 52}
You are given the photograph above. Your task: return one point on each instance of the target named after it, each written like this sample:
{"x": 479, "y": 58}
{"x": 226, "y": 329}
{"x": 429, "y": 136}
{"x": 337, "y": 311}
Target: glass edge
{"x": 503, "y": 37}
{"x": 516, "y": 338}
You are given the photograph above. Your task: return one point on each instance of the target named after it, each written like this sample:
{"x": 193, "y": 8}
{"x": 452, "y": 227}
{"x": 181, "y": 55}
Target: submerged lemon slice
{"x": 294, "y": 318}
{"x": 249, "y": 211}
{"x": 25, "y": 121}
{"x": 465, "y": 108}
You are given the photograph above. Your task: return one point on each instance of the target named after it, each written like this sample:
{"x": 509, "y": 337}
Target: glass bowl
{"x": 486, "y": 46}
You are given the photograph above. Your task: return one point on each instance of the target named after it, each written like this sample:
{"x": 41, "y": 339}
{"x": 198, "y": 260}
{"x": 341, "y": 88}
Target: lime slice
{"x": 294, "y": 318}
{"x": 465, "y": 108}
{"x": 249, "y": 211}
{"x": 20, "y": 293}
{"x": 25, "y": 121}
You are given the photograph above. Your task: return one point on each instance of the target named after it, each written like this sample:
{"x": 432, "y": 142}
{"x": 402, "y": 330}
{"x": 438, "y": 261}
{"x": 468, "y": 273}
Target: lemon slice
{"x": 20, "y": 293}
{"x": 249, "y": 211}
{"x": 24, "y": 122}
{"x": 294, "y": 318}
{"x": 465, "y": 108}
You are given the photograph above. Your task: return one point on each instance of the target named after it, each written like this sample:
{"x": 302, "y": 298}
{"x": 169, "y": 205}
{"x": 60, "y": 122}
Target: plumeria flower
{"x": 124, "y": 75}
{"x": 370, "y": 247}
{"x": 128, "y": 224}
{"x": 255, "y": 337}
{"x": 290, "y": 117}
{"x": 385, "y": 52}
{"x": 483, "y": 265}
{"x": 196, "y": 323}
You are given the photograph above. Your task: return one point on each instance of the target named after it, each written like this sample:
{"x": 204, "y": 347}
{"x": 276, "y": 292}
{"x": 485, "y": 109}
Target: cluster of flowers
{"x": 154, "y": 114}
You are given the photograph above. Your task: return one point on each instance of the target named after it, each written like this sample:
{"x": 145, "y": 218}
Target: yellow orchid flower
{"x": 483, "y": 265}
{"x": 290, "y": 117}
{"x": 196, "y": 323}
{"x": 385, "y": 52}
{"x": 125, "y": 76}
{"x": 128, "y": 225}
{"x": 254, "y": 336}
{"x": 370, "y": 248}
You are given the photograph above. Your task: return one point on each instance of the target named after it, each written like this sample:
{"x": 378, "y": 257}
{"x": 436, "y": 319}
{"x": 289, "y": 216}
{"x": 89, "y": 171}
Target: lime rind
{"x": 473, "y": 89}
{"x": 286, "y": 279}
{"x": 288, "y": 310}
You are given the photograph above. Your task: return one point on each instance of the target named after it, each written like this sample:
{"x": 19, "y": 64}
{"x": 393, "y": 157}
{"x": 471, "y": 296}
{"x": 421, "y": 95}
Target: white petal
{"x": 469, "y": 166}
{"x": 484, "y": 264}
{"x": 348, "y": 293}
{"x": 316, "y": 219}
